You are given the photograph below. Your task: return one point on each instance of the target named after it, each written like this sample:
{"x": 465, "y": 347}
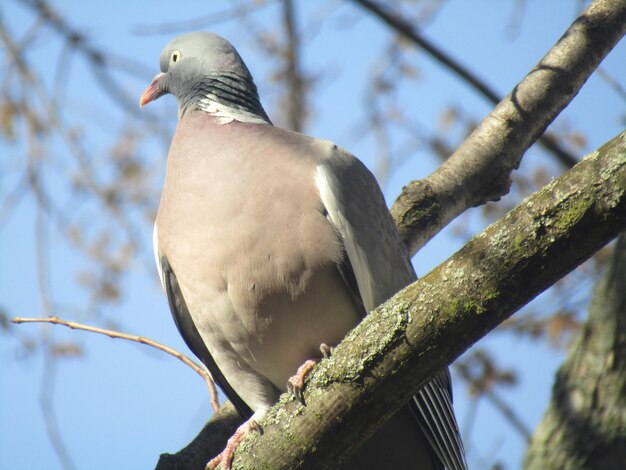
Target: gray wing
{"x": 188, "y": 330}
{"x": 378, "y": 261}
{"x": 192, "y": 338}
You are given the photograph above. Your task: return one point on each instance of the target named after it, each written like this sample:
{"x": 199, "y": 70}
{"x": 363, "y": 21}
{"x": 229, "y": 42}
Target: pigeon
{"x": 270, "y": 246}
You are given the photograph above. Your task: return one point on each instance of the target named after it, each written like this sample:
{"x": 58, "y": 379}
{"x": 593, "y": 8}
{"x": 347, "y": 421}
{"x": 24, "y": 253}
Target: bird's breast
{"x": 255, "y": 257}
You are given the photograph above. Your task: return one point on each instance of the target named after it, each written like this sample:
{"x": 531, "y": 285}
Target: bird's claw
{"x": 295, "y": 384}
{"x": 225, "y": 458}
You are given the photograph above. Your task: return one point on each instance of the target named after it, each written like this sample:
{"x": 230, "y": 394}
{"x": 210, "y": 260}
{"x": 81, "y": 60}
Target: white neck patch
{"x": 226, "y": 114}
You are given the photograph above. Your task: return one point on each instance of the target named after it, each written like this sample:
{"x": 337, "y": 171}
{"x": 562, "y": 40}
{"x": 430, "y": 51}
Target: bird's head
{"x": 204, "y": 71}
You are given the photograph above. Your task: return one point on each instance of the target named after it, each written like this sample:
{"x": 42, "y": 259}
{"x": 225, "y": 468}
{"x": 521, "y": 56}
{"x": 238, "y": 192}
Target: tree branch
{"x": 209, "y": 442}
{"x": 407, "y": 30}
{"x": 201, "y": 371}
{"x": 399, "y": 346}
{"x": 479, "y": 171}
{"x": 295, "y": 99}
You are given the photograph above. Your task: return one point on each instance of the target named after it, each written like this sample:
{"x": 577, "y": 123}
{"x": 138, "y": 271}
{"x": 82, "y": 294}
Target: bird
{"x": 269, "y": 244}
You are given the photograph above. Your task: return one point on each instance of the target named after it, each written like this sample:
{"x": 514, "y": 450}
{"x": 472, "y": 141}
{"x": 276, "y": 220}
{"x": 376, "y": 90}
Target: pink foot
{"x": 226, "y": 456}
{"x": 295, "y": 384}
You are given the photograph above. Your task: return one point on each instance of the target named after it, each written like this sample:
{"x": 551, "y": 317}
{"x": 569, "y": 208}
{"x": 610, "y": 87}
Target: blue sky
{"x": 123, "y": 404}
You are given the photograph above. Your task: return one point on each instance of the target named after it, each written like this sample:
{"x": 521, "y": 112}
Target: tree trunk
{"x": 585, "y": 424}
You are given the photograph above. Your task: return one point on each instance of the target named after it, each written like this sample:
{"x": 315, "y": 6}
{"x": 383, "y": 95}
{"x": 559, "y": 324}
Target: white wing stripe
{"x": 326, "y": 184}
{"x": 376, "y": 277}
{"x": 155, "y": 247}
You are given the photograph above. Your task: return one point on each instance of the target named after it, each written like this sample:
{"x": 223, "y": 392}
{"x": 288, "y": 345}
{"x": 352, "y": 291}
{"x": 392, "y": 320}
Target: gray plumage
{"x": 270, "y": 243}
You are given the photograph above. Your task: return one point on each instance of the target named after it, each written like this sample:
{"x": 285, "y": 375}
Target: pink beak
{"x": 153, "y": 91}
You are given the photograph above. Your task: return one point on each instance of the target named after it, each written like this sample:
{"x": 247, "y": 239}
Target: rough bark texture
{"x": 426, "y": 326}
{"x": 207, "y": 444}
{"x": 585, "y": 424}
{"x": 480, "y": 169}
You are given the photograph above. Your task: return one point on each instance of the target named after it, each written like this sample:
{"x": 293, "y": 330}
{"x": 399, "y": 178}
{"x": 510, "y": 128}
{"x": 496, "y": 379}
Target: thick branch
{"x": 400, "y": 345}
{"x": 585, "y": 424}
{"x": 479, "y": 171}
{"x": 209, "y": 442}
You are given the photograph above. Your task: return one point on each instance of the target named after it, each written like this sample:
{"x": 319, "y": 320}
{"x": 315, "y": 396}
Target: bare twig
{"x": 293, "y": 74}
{"x": 202, "y": 22}
{"x": 100, "y": 61}
{"x": 48, "y": 382}
{"x": 51, "y": 120}
{"x": 494, "y": 398}
{"x": 80, "y": 43}
{"x": 613, "y": 83}
{"x": 138, "y": 339}
{"x": 46, "y": 403}
{"x": 407, "y": 30}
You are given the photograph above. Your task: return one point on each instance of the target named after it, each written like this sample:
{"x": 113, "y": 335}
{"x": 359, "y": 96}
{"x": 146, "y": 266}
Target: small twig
{"x": 494, "y": 399}
{"x": 293, "y": 73}
{"x": 402, "y": 26}
{"x": 202, "y": 22}
{"x": 46, "y": 403}
{"x": 47, "y": 388}
{"x": 138, "y": 339}
{"x": 613, "y": 83}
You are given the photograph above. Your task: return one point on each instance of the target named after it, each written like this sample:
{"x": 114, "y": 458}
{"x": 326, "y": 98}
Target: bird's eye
{"x": 175, "y": 56}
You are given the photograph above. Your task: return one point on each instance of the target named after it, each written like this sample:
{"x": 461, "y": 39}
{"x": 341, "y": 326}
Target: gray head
{"x": 204, "y": 71}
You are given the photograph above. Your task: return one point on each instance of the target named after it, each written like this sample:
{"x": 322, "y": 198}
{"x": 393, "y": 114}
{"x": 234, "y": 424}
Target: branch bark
{"x": 585, "y": 424}
{"x": 479, "y": 171}
{"x": 207, "y": 444}
{"x": 400, "y": 345}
